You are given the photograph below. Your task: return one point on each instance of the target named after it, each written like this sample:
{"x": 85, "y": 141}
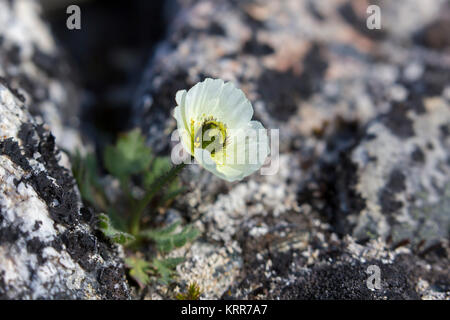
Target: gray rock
{"x": 403, "y": 174}
{"x": 35, "y": 69}
{"x": 48, "y": 246}
{"x": 358, "y": 111}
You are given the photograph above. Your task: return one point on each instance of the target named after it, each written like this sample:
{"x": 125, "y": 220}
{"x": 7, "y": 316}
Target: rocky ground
{"x": 364, "y": 154}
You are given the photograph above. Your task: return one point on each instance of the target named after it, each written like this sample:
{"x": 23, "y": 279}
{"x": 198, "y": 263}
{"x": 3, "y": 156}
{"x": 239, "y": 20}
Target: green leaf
{"x": 167, "y": 240}
{"x": 116, "y": 219}
{"x": 139, "y": 270}
{"x": 162, "y": 269}
{"x": 166, "y": 268}
{"x": 129, "y": 156}
{"x": 163, "y": 232}
{"x": 112, "y": 233}
{"x": 159, "y": 167}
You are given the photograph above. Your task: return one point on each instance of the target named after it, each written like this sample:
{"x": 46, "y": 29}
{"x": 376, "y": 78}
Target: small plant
{"x": 193, "y": 292}
{"x": 139, "y": 270}
{"x": 167, "y": 239}
{"x": 134, "y": 166}
{"x": 112, "y": 233}
{"x": 162, "y": 270}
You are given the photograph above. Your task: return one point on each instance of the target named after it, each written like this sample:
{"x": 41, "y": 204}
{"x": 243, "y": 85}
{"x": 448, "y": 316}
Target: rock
{"x": 433, "y": 35}
{"x": 403, "y": 174}
{"x": 36, "y": 70}
{"x": 363, "y": 169}
{"x": 326, "y": 268}
{"x": 214, "y": 267}
{"x": 48, "y": 246}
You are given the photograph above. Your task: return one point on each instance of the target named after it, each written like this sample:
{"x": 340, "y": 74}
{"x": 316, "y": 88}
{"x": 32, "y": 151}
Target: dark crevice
{"x": 109, "y": 54}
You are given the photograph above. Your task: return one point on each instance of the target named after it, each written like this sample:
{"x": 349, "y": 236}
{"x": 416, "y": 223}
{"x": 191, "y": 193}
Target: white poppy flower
{"x": 215, "y": 126}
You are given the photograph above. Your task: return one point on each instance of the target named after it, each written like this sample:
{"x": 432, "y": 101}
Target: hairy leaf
{"x": 112, "y": 233}
{"x": 129, "y": 156}
{"x": 139, "y": 269}
{"x": 159, "y": 167}
{"x": 166, "y": 268}
{"x": 166, "y": 238}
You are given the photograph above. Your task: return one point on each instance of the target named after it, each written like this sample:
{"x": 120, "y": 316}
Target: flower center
{"x": 210, "y": 135}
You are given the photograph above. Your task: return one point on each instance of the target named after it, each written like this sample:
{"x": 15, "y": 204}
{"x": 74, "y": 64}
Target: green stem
{"x": 143, "y": 203}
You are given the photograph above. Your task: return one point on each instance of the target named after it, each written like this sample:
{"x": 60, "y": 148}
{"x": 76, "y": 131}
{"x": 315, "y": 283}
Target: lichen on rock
{"x": 47, "y": 250}
{"x": 48, "y": 247}
{"x": 363, "y": 119}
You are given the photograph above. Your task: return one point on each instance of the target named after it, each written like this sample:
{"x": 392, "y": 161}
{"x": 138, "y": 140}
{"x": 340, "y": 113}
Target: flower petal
{"x": 183, "y": 129}
{"x": 223, "y": 101}
{"x": 204, "y": 159}
{"x": 180, "y": 98}
{"x": 237, "y": 110}
{"x": 245, "y": 153}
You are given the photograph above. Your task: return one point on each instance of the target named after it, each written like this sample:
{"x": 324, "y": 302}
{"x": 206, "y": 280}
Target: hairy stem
{"x": 143, "y": 203}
